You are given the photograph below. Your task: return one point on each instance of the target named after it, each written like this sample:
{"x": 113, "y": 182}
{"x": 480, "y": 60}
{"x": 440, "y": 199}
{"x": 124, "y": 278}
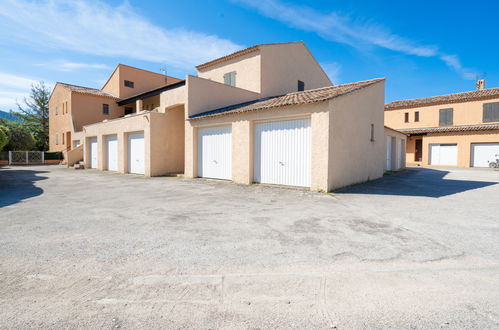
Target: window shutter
{"x": 230, "y": 78}
{"x": 491, "y": 112}
{"x": 446, "y": 117}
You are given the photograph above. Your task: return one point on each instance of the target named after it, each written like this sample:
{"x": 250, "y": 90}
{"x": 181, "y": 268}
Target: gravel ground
{"x": 86, "y": 249}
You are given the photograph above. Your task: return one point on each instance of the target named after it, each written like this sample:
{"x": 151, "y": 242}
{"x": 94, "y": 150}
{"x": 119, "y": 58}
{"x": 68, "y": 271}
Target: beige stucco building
{"x": 71, "y": 107}
{"x": 266, "y": 114}
{"x": 459, "y": 129}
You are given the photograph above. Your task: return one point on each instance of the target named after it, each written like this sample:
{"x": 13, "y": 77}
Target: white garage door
{"x": 112, "y": 153}
{"x": 389, "y": 153}
{"x": 136, "y": 153}
{"x": 215, "y": 152}
{"x": 94, "y": 153}
{"x": 283, "y": 152}
{"x": 400, "y": 154}
{"x": 484, "y": 153}
{"x": 443, "y": 154}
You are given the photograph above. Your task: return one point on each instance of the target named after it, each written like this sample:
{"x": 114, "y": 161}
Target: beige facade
{"x": 345, "y": 121}
{"x": 142, "y": 80}
{"x": 269, "y": 70}
{"x": 338, "y": 157}
{"x": 71, "y": 107}
{"x": 395, "y": 149}
{"x": 163, "y": 143}
{"x": 420, "y": 119}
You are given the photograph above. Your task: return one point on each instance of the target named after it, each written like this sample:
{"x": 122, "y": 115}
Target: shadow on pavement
{"x": 422, "y": 182}
{"x": 17, "y": 184}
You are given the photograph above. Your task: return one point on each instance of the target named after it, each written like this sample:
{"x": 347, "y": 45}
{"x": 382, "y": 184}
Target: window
{"x": 56, "y": 110}
{"x": 56, "y": 139}
{"x": 372, "y": 132}
{"x": 129, "y": 83}
{"x": 105, "y": 109}
{"x": 230, "y": 78}
{"x": 446, "y": 117}
{"x": 301, "y": 86}
{"x": 128, "y": 110}
{"x": 416, "y": 116}
{"x": 63, "y": 138}
{"x": 491, "y": 112}
{"x": 406, "y": 117}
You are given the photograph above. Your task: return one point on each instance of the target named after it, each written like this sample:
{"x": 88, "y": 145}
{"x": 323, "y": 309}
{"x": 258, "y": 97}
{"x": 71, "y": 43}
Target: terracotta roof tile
{"x": 482, "y": 94}
{"x": 305, "y": 97}
{"x": 86, "y": 90}
{"x": 462, "y": 128}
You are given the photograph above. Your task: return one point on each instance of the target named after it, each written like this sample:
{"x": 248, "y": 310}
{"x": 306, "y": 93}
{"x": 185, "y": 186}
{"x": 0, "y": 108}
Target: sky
{"x": 423, "y": 48}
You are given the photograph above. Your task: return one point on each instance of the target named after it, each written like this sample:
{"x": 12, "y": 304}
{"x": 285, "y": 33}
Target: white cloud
{"x": 14, "y": 88}
{"x": 9, "y": 99}
{"x": 343, "y": 29}
{"x": 12, "y": 81}
{"x": 72, "y": 66}
{"x": 97, "y": 28}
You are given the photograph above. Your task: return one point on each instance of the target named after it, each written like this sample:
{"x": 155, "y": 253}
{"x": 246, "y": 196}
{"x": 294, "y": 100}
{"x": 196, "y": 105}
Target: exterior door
{"x": 418, "y": 155}
{"x": 389, "y": 153}
{"x": 112, "y": 153}
{"x": 400, "y": 154}
{"x": 283, "y": 152}
{"x": 443, "y": 154}
{"x": 215, "y": 152}
{"x": 94, "y": 153}
{"x": 484, "y": 153}
{"x": 136, "y": 153}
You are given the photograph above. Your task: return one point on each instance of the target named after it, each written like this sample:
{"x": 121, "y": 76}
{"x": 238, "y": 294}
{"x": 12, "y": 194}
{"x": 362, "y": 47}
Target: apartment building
{"x": 265, "y": 114}
{"x": 72, "y": 107}
{"x": 459, "y": 129}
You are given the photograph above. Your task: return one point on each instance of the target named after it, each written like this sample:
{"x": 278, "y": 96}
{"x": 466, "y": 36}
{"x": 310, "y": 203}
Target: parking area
{"x": 90, "y": 249}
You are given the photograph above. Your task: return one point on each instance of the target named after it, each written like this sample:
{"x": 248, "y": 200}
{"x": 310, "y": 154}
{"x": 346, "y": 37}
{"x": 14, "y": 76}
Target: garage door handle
{"x": 282, "y": 164}
{"x": 215, "y": 161}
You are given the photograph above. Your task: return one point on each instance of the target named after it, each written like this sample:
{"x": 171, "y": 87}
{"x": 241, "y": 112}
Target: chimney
{"x": 480, "y": 84}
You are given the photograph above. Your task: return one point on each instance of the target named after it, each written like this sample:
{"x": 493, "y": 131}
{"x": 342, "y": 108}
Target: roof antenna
{"x": 163, "y": 69}
{"x": 479, "y": 79}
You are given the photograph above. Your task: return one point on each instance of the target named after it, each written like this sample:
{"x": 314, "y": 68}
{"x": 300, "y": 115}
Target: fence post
{"x": 27, "y": 158}
{"x": 10, "y": 157}
{"x": 43, "y": 157}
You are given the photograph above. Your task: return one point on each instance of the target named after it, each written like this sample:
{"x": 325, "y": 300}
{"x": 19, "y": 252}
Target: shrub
{"x": 4, "y": 136}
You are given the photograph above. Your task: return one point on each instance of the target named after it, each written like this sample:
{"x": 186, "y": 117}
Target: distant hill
{"x": 8, "y": 116}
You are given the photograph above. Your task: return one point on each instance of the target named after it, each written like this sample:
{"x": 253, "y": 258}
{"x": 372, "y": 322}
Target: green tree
{"x": 20, "y": 138}
{"x": 4, "y": 136}
{"x": 35, "y": 115}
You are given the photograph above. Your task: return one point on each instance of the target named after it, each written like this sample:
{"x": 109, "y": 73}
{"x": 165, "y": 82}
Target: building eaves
{"x": 150, "y": 93}
{"x": 296, "y": 98}
{"x": 445, "y": 129}
{"x": 238, "y": 54}
{"x": 86, "y": 90}
{"x": 482, "y": 94}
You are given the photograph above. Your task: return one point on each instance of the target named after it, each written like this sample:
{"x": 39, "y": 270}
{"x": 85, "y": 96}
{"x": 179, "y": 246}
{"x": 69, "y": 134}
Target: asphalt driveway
{"x": 89, "y": 249}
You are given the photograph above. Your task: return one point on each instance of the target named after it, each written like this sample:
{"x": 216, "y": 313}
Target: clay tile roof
{"x": 86, "y": 90}
{"x": 239, "y": 53}
{"x": 462, "y": 128}
{"x": 481, "y": 94}
{"x": 305, "y": 97}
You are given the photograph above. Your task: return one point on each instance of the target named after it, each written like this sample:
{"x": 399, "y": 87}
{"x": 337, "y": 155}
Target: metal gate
{"x": 26, "y": 157}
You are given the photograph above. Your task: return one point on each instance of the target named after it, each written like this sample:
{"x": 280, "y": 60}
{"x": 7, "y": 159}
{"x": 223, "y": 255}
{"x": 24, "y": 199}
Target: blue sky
{"x": 423, "y": 48}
